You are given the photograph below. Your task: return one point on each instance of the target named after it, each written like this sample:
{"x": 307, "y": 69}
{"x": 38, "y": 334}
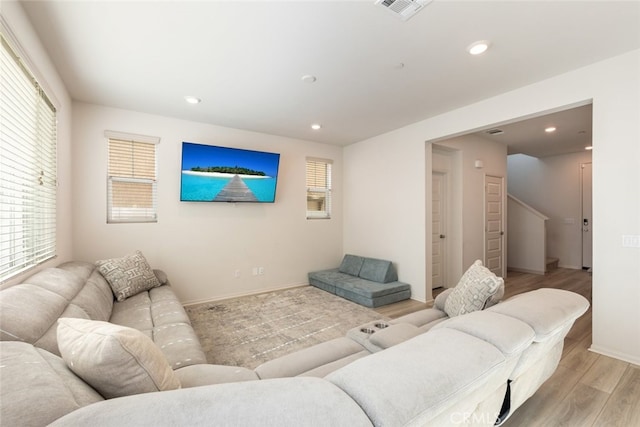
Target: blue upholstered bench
{"x": 367, "y": 281}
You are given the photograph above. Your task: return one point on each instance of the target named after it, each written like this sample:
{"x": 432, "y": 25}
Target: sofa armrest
{"x": 442, "y": 298}
{"x": 203, "y": 374}
{"x": 394, "y": 334}
{"x": 161, "y": 276}
{"x": 331, "y": 355}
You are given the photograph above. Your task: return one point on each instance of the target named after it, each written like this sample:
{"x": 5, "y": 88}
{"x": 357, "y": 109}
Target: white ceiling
{"x": 245, "y": 59}
{"x": 573, "y": 133}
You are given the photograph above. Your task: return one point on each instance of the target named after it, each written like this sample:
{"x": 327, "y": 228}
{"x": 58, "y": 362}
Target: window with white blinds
{"x": 131, "y": 178}
{"x": 27, "y": 168}
{"x": 318, "y": 188}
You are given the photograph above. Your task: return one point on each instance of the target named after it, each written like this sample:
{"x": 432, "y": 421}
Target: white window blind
{"x": 318, "y": 188}
{"x": 131, "y": 178}
{"x": 27, "y": 168}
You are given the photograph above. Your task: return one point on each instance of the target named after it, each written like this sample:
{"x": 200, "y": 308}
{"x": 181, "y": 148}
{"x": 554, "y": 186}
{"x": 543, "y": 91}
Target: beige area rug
{"x": 251, "y": 330}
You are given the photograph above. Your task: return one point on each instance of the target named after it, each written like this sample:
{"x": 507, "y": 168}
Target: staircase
{"x": 527, "y": 239}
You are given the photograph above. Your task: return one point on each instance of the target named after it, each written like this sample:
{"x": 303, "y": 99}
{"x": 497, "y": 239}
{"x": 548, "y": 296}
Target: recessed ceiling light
{"x": 550, "y": 129}
{"x": 316, "y": 126}
{"x": 476, "y": 48}
{"x": 192, "y": 100}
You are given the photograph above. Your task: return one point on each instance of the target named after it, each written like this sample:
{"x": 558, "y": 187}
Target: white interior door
{"x": 587, "y": 220}
{"x": 494, "y": 224}
{"x": 438, "y": 237}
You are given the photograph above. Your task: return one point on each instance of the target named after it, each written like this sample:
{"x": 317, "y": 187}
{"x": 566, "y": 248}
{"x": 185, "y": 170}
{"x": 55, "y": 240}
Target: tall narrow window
{"x": 27, "y": 168}
{"x": 131, "y": 192}
{"x": 318, "y": 188}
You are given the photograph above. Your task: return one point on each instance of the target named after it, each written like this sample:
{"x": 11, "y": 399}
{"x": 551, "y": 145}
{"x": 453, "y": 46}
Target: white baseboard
{"x": 570, "y": 267}
{"x": 615, "y": 354}
{"x": 243, "y": 294}
{"x": 524, "y": 270}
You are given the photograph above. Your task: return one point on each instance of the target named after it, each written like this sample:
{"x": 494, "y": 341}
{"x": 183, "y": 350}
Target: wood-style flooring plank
{"x": 605, "y": 373}
{"x": 623, "y": 407}
{"x": 539, "y": 408}
{"x": 579, "y": 408}
{"x": 579, "y": 358}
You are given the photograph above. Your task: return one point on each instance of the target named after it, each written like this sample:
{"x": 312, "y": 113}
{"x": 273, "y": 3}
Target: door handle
{"x": 442, "y": 236}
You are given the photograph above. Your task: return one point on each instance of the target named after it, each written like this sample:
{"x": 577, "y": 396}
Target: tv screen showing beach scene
{"x": 223, "y": 174}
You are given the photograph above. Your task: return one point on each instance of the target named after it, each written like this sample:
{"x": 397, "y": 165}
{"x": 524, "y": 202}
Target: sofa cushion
{"x": 561, "y": 308}
{"x": 128, "y": 275}
{"x": 159, "y": 315}
{"x": 509, "y": 335}
{"x": 96, "y": 297}
{"x": 351, "y": 264}
{"x": 431, "y": 373}
{"x": 472, "y": 292}
{"x": 115, "y": 360}
{"x": 283, "y": 402}
{"x": 37, "y": 387}
{"x": 378, "y": 270}
{"x": 29, "y": 310}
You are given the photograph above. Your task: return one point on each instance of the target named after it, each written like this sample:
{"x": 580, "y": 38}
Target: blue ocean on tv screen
{"x": 225, "y": 174}
{"x": 205, "y": 188}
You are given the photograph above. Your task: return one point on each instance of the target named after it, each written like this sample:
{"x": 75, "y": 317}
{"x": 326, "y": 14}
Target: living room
{"x": 202, "y": 246}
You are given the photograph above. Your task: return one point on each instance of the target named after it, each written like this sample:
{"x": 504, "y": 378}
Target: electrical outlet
{"x": 236, "y": 274}
{"x": 631, "y": 241}
{"x": 260, "y": 271}
{"x": 254, "y": 271}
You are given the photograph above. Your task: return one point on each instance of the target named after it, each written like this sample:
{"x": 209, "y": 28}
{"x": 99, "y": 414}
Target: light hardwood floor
{"x": 587, "y": 389}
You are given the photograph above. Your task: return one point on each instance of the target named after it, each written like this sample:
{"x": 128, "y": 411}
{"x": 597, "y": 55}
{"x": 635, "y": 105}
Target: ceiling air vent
{"x": 494, "y": 131}
{"x": 403, "y": 9}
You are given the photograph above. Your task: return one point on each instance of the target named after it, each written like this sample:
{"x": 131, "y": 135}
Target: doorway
{"x": 587, "y": 220}
{"x": 494, "y": 224}
{"x": 439, "y": 229}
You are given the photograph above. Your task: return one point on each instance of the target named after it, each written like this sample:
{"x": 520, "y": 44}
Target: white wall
{"x": 19, "y": 31}
{"x": 614, "y": 87}
{"x": 201, "y": 245}
{"x": 527, "y": 237}
{"x": 552, "y": 185}
{"x": 385, "y": 206}
{"x": 386, "y": 184}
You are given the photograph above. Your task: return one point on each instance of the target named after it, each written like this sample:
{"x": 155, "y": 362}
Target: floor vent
{"x": 403, "y": 9}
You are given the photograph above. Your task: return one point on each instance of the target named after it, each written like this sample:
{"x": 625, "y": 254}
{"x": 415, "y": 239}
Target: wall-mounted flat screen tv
{"x": 223, "y": 174}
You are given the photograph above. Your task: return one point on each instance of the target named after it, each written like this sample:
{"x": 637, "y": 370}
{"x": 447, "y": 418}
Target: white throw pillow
{"x": 114, "y": 360}
{"x": 128, "y": 275}
{"x": 476, "y": 286}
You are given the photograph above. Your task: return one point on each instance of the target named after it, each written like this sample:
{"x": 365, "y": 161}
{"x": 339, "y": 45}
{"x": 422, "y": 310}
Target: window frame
{"x": 126, "y": 215}
{"x": 326, "y": 189}
{"x": 28, "y": 165}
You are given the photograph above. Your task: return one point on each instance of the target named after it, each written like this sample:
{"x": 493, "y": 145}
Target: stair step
{"x": 551, "y": 264}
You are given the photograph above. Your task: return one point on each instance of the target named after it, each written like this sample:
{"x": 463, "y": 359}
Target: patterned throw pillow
{"x": 476, "y": 286}
{"x": 128, "y": 275}
{"x": 115, "y": 360}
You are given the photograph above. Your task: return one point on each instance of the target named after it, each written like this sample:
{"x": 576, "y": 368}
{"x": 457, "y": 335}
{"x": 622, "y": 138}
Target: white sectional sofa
{"x": 455, "y": 371}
